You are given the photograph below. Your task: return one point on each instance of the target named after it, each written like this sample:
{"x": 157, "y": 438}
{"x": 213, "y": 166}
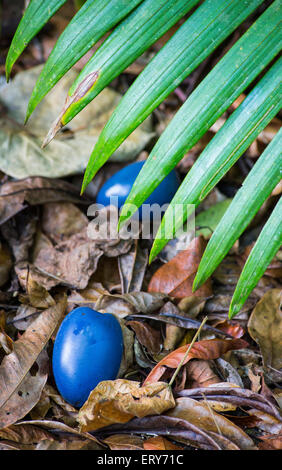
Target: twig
{"x": 187, "y": 352}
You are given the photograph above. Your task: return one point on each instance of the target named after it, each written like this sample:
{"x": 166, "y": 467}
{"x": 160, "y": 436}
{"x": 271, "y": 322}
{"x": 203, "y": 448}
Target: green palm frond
{"x": 136, "y": 25}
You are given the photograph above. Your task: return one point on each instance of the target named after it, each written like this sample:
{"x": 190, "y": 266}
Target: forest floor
{"x": 228, "y": 393}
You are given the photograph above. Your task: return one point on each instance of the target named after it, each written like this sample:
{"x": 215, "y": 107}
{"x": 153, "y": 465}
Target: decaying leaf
{"x": 118, "y": 401}
{"x": 21, "y": 154}
{"x": 265, "y": 327}
{"x": 176, "y": 277}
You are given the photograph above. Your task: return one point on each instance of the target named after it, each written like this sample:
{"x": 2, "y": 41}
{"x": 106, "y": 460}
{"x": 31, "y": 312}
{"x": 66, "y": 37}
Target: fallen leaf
{"x": 34, "y": 191}
{"x": 132, "y": 266}
{"x": 26, "y": 394}
{"x": 133, "y": 302}
{"x": 175, "y": 278}
{"x": 201, "y": 415}
{"x": 200, "y": 374}
{"x": 123, "y": 442}
{"x": 21, "y": 154}
{"x": 231, "y": 328}
{"x": 234, "y": 395}
{"x": 71, "y": 262}
{"x": 37, "y": 296}
{"x": 175, "y": 428}
{"x": 15, "y": 366}
{"x": 265, "y": 327}
{"x": 118, "y": 401}
{"x": 60, "y": 220}
{"x": 25, "y": 434}
{"x": 160, "y": 443}
{"x": 270, "y": 442}
{"x": 205, "y": 349}
{"x": 147, "y": 336}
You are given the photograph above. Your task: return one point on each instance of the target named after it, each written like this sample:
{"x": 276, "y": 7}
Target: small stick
{"x": 187, "y": 352}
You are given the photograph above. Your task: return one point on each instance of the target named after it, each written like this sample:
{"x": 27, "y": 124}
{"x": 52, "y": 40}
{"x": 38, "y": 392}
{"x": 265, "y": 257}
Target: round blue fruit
{"x": 120, "y": 185}
{"x": 87, "y": 350}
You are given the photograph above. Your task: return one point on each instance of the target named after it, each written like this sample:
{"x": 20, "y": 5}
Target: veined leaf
{"x": 228, "y": 79}
{"x": 265, "y": 248}
{"x": 36, "y": 15}
{"x": 259, "y": 183}
{"x": 209, "y": 25}
{"x": 230, "y": 142}
{"x": 129, "y": 40}
{"x": 92, "y": 21}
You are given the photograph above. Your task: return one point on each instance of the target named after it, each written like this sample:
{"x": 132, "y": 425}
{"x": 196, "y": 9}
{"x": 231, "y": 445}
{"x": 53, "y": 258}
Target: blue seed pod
{"x": 120, "y": 185}
{"x": 87, "y": 350}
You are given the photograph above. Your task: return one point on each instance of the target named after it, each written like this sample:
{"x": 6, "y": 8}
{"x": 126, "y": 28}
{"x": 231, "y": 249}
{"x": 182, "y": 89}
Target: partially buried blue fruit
{"x": 120, "y": 185}
{"x": 87, "y": 350}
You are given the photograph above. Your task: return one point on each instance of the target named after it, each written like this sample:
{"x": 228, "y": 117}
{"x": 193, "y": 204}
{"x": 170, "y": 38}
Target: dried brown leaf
{"x": 118, "y": 401}
{"x": 208, "y": 420}
{"x": 265, "y": 327}
{"x": 15, "y": 366}
{"x": 176, "y": 277}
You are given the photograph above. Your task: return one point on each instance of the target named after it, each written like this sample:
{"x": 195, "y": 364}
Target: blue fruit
{"x": 120, "y": 185}
{"x": 87, "y": 350}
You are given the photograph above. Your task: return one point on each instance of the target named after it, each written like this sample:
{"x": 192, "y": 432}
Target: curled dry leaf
{"x": 205, "y": 349}
{"x": 176, "y": 277}
{"x": 203, "y": 416}
{"x": 15, "y": 366}
{"x": 265, "y": 327}
{"x": 118, "y": 401}
{"x": 231, "y": 328}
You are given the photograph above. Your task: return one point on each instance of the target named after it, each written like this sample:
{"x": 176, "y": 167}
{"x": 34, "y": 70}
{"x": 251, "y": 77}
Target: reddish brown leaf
{"x": 176, "y": 277}
{"x": 205, "y": 349}
{"x": 159, "y": 443}
{"x": 271, "y": 442}
{"x": 231, "y": 328}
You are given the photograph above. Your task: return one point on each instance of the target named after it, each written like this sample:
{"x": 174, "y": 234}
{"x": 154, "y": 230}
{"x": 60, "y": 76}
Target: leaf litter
{"x": 226, "y": 395}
